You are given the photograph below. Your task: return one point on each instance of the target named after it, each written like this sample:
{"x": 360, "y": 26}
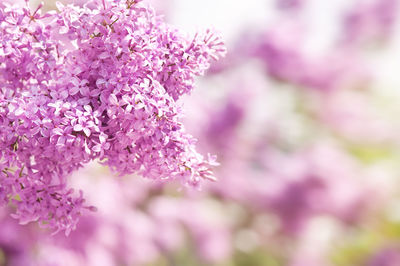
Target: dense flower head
{"x": 100, "y": 81}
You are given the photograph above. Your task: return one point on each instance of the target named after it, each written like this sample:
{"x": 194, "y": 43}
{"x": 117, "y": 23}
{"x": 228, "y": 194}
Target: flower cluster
{"x": 100, "y": 81}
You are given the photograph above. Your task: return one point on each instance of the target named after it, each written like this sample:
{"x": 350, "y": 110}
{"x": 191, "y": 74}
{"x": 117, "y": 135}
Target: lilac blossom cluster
{"x": 102, "y": 82}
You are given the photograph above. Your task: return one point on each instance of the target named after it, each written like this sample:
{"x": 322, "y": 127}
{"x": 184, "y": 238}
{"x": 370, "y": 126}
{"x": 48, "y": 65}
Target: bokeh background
{"x": 304, "y": 116}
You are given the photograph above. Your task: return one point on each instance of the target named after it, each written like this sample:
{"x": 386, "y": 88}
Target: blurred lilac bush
{"x": 308, "y": 150}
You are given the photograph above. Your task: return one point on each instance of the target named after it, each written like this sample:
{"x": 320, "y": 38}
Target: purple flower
{"x": 101, "y": 81}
